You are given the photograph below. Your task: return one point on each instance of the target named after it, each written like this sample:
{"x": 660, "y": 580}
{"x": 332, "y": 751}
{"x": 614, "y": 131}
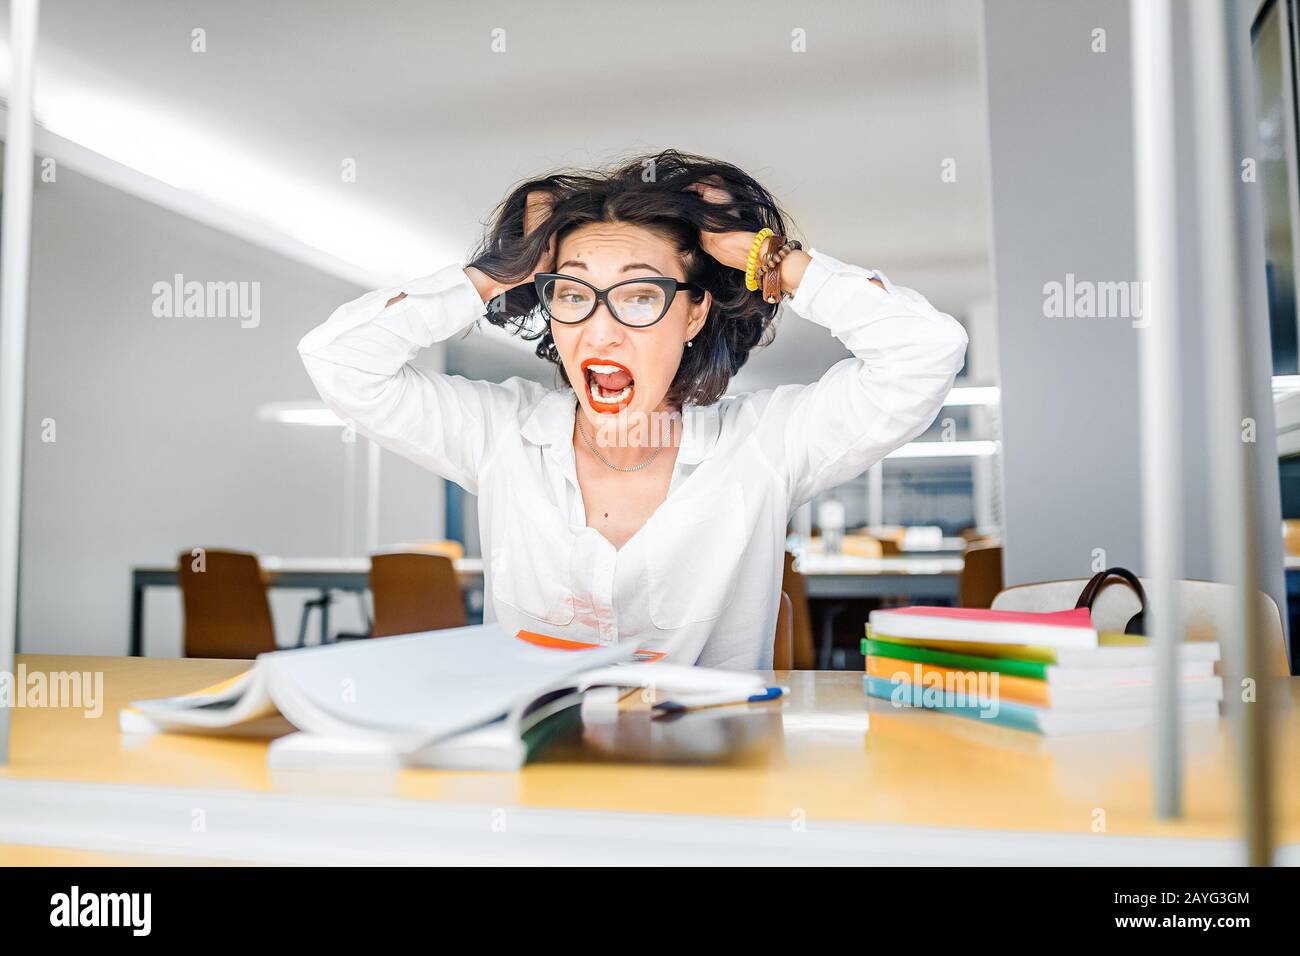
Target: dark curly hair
{"x": 648, "y": 191}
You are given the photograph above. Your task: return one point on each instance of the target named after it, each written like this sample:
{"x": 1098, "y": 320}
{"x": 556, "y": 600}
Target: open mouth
{"x": 610, "y": 386}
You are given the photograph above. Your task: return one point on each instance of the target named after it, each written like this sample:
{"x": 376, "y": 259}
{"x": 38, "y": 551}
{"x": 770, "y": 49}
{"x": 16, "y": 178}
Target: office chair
{"x": 227, "y": 614}
{"x": 415, "y": 592}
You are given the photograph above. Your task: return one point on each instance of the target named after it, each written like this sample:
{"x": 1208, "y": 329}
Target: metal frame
{"x": 1221, "y": 86}
{"x": 1155, "y": 157}
{"x": 1291, "y": 136}
{"x": 15, "y": 253}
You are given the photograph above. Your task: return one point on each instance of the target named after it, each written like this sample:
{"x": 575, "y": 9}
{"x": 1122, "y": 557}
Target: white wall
{"x": 158, "y": 447}
{"x": 1062, "y": 200}
{"x": 1061, "y": 142}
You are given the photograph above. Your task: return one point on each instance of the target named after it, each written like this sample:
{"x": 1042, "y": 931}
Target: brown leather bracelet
{"x": 770, "y": 245}
{"x": 774, "y": 245}
{"x": 773, "y": 259}
{"x": 769, "y": 281}
{"x": 771, "y": 284}
{"x": 769, "y": 275}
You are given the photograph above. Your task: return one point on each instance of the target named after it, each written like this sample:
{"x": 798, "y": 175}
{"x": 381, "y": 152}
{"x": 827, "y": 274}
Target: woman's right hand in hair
{"x": 536, "y": 211}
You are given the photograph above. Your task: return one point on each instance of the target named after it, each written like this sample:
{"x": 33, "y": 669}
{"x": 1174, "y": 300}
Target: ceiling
{"x": 851, "y": 135}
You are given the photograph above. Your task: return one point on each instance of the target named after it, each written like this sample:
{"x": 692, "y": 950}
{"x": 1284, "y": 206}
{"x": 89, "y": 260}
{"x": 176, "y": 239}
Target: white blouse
{"x": 701, "y": 579}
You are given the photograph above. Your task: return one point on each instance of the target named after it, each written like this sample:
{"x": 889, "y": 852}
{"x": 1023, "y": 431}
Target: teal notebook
{"x": 1040, "y": 720}
{"x": 1003, "y": 713}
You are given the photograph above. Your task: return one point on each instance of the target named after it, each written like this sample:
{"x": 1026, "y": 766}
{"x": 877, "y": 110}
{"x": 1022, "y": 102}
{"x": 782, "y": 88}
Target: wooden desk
{"x": 838, "y": 778}
{"x": 311, "y": 574}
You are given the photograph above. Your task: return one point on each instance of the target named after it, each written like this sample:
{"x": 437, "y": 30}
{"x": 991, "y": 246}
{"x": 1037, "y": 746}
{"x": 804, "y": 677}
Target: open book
{"x": 463, "y": 698}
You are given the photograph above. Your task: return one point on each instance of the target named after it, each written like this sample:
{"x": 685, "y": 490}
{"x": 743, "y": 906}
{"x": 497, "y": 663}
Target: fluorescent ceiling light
{"x": 1285, "y": 384}
{"x": 299, "y": 413}
{"x": 173, "y": 151}
{"x": 165, "y": 156}
{"x": 170, "y": 146}
{"x": 974, "y": 395}
{"x": 945, "y": 449}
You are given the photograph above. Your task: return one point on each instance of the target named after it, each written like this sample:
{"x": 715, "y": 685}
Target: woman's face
{"x": 637, "y": 364}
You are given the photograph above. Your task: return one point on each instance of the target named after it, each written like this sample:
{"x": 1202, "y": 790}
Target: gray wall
{"x": 1062, "y": 199}
{"x": 158, "y": 446}
{"x": 1061, "y": 146}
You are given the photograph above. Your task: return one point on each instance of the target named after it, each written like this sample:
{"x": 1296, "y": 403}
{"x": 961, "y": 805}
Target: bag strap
{"x": 1137, "y": 623}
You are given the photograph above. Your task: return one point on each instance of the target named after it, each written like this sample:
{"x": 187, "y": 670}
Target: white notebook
{"x": 1070, "y": 629}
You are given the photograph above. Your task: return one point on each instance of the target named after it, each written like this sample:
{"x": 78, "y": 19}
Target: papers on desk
{"x": 464, "y": 698}
{"x": 1048, "y": 673}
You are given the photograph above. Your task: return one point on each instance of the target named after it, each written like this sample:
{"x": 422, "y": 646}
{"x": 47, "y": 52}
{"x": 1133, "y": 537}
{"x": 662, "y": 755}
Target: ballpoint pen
{"x": 768, "y": 694}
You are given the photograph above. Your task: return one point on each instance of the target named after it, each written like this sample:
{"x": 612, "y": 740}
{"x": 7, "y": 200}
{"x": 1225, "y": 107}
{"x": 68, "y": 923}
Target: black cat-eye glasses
{"x": 636, "y": 303}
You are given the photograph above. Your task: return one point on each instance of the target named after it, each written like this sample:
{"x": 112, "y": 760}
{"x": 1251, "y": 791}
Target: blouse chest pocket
{"x": 694, "y": 553}
{"x": 532, "y": 547}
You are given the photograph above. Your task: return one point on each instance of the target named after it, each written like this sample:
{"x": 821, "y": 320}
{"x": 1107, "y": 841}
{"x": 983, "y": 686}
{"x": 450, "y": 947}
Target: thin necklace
{"x": 583, "y": 432}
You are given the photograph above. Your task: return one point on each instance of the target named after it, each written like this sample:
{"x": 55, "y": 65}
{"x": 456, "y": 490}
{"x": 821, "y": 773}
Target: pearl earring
{"x": 690, "y": 344}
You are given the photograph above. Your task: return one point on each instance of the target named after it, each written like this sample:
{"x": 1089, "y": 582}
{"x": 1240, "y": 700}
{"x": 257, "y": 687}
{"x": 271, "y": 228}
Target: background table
{"x": 311, "y": 574}
{"x": 912, "y": 577}
{"x": 905, "y": 579}
{"x": 916, "y": 578}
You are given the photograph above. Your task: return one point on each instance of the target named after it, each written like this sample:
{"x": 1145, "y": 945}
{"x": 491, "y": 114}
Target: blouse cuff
{"x": 820, "y": 300}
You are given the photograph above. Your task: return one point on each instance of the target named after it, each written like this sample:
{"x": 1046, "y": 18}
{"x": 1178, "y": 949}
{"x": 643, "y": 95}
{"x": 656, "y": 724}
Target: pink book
{"x": 1072, "y": 628}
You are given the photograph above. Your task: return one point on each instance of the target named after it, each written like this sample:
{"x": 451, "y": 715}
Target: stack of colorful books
{"x": 1050, "y": 673}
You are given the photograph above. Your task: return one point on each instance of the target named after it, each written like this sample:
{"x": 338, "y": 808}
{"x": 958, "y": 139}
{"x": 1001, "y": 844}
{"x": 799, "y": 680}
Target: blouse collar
{"x": 551, "y": 424}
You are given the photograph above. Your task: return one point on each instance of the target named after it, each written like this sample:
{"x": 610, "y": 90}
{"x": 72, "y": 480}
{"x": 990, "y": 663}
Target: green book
{"x": 553, "y": 726}
{"x": 967, "y": 662}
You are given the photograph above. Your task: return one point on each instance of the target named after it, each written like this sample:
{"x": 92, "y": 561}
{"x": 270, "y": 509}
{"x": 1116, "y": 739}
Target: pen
{"x": 769, "y": 693}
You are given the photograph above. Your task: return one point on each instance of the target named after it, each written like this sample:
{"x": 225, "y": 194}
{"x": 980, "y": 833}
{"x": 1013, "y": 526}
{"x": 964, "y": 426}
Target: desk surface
{"x": 829, "y": 757}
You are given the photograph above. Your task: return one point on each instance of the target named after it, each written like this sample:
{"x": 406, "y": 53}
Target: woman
{"x": 633, "y": 502}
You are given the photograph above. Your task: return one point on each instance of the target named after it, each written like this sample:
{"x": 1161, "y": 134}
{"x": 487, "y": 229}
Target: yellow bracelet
{"x": 751, "y": 264}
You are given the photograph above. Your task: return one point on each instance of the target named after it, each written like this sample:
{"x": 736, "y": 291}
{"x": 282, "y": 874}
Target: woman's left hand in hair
{"x": 729, "y": 248}
{"x": 732, "y": 248}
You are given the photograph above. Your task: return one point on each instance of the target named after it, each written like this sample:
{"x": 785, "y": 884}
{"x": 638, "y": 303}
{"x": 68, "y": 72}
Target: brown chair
{"x": 981, "y": 576}
{"x": 783, "y": 640}
{"x": 891, "y": 539}
{"x": 1206, "y": 610}
{"x": 227, "y": 614}
{"x": 415, "y": 592}
{"x": 792, "y": 585}
{"x": 1291, "y": 536}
